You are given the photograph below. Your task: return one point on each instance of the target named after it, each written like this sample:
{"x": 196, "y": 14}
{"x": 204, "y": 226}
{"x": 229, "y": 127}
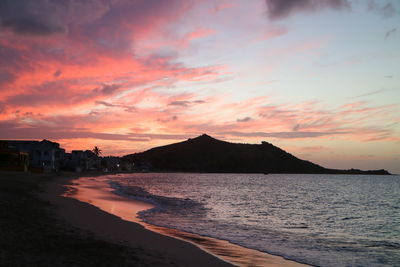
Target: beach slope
{"x": 173, "y": 252}
{"x": 39, "y": 227}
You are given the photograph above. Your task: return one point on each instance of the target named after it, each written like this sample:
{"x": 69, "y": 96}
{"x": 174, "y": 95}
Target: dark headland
{"x": 207, "y": 154}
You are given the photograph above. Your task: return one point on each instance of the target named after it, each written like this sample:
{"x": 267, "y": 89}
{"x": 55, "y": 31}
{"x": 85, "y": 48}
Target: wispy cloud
{"x": 373, "y": 93}
{"x": 391, "y": 32}
{"x": 383, "y": 8}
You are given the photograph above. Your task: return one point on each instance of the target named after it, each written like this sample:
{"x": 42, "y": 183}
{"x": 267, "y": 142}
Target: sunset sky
{"x": 318, "y": 78}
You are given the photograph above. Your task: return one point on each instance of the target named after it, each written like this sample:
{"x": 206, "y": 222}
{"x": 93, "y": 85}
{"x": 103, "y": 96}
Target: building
{"x": 81, "y": 160}
{"x": 12, "y": 159}
{"x": 111, "y": 163}
{"x": 43, "y": 155}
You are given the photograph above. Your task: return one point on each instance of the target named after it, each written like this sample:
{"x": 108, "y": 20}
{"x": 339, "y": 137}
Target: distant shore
{"x": 42, "y": 228}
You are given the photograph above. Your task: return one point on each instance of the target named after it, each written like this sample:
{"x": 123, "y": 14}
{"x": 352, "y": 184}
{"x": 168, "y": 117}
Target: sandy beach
{"x": 173, "y": 252}
{"x": 33, "y": 234}
{"x": 104, "y": 238}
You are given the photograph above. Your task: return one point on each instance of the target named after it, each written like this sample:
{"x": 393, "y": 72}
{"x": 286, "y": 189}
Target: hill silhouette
{"x": 207, "y": 154}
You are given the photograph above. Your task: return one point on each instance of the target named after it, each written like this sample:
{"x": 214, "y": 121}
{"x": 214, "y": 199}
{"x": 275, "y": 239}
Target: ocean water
{"x": 321, "y": 220}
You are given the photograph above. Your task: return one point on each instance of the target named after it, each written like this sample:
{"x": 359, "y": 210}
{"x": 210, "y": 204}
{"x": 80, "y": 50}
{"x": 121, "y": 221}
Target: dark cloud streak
{"x": 246, "y": 119}
{"x": 57, "y": 73}
{"x": 2, "y": 108}
{"x": 12, "y": 130}
{"x": 185, "y": 103}
{"x": 390, "y": 33}
{"x": 126, "y": 107}
{"x": 106, "y": 104}
{"x": 179, "y": 103}
{"x": 372, "y": 93}
{"x": 108, "y": 89}
{"x": 31, "y": 17}
{"x": 285, "y": 135}
{"x": 277, "y": 9}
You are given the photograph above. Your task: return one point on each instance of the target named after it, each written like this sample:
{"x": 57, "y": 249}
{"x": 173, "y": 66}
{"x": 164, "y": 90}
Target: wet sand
{"x": 106, "y": 226}
{"x": 136, "y": 232}
{"x": 34, "y": 233}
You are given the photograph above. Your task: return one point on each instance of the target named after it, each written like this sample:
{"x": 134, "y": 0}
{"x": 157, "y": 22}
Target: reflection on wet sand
{"x": 100, "y": 194}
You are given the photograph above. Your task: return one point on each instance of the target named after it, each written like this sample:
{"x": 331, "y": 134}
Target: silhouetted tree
{"x": 96, "y": 151}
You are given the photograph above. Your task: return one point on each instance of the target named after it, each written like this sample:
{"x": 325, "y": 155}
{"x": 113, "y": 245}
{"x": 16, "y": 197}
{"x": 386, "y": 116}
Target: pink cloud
{"x": 222, "y": 6}
{"x": 193, "y": 35}
{"x": 272, "y": 32}
{"x": 166, "y": 121}
{"x": 112, "y": 74}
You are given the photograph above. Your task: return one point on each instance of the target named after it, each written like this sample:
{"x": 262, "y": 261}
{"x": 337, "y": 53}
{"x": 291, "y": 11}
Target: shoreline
{"x": 109, "y": 227}
{"x": 88, "y": 190}
{"x": 34, "y": 231}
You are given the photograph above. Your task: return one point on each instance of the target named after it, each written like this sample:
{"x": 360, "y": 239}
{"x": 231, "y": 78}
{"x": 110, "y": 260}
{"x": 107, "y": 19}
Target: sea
{"x": 320, "y": 220}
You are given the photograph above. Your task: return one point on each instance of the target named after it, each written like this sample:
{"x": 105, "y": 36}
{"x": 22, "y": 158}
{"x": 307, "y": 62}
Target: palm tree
{"x": 96, "y": 151}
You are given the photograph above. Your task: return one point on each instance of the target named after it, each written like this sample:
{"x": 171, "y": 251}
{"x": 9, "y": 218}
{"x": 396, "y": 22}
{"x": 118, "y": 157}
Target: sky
{"x": 318, "y": 78}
